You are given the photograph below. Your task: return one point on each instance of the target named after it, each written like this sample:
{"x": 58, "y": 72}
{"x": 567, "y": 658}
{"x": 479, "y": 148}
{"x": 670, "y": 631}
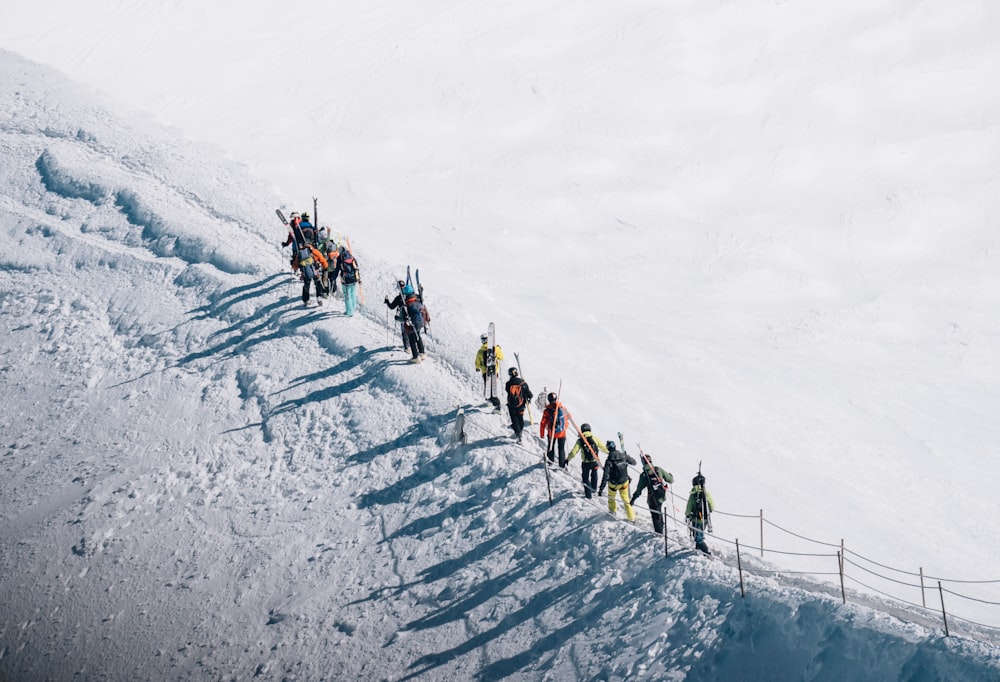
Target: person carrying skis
{"x": 307, "y": 229}
{"x": 482, "y": 360}
{"x": 588, "y": 445}
{"x": 518, "y": 395}
{"x": 329, "y": 248}
{"x": 411, "y": 316}
{"x": 311, "y": 264}
{"x": 400, "y": 317}
{"x": 553, "y": 428}
{"x": 350, "y": 276}
{"x": 293, "y": 238}
{"x": 616, "y": 479}
{"x": 699, "y": 510}
{"x": 655, "y": 495}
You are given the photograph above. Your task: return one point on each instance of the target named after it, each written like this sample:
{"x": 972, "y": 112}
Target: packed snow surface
{"x": 760, "y": 238}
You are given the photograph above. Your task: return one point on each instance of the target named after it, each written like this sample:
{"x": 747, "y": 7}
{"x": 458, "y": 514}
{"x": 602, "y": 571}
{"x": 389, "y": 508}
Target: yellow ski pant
{"x": 621, "y": 489}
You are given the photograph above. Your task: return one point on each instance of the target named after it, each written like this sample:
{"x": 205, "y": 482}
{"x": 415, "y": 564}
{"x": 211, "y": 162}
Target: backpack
{"x": 515, "y": 397}
{"x": 416, "y": 312}
{"x": 348, "y": 269}
{"x": 699, "y": 510}
{"x": 618, "y": 468}
{"x": 590, "y": 451}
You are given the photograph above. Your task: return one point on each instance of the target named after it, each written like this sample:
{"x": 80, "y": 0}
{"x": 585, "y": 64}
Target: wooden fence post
{"x": 840, "y": 565}
{"x": 663, "y": 519}
{"x": 739, "y": 566}
{"x": 923, "y": 596}
{"x": 762, "y": 532}
{"x": 943, "y": 614}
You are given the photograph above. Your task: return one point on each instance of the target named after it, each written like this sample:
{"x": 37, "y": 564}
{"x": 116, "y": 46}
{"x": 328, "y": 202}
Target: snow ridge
{"x": 203, "y": 480}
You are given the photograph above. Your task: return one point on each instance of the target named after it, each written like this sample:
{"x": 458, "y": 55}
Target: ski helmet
{"x": 401, "y": 284}
{"x": 585, "y": 426}
{"x": 512, "y": 371}
{"x": 305, "y": 215}
{"x": 484, "y": 338}
{"x": 408, "y": 290}
{"x": 552, "y": 397}
{"x": 611, "y": 446}
{"x": 698, "y": 480}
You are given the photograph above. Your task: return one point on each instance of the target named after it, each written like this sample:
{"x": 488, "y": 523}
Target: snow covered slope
{"x": 202, "y": 480}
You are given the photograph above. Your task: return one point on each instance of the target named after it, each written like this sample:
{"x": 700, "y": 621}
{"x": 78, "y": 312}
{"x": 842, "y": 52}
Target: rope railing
{"x": 990, "y": 632}
{"x": 888, "y": 568}
{"x": 737, "y": 516}
{"x": 975, "y": 599}
{"x": 883, "y": 577}
{"x": 884, "y": 594}
{"x": 801, "y": 537}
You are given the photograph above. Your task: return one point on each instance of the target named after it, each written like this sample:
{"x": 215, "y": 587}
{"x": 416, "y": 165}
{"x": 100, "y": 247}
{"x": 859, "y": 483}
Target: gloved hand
{"x": 387, "y": 300}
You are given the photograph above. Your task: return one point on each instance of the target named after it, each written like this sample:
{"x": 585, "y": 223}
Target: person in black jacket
{"x": 518, "y": 397}
{"x": 616, "y": 479}
{"x": 655, "y": 495}
{"x": 408, "y": 306}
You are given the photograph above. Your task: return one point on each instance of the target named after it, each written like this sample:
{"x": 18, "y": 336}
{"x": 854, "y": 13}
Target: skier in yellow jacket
{"x": 490, "y": 369}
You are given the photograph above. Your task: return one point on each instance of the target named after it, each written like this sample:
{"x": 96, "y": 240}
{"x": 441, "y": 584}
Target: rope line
{"x": 671, "y": 504}
{"x": 737, "y": 516}
{"x": 965, "y": 596}
{"x": 879, "y": 575}
{"x": 889, "y": 596}
{"x": 801, "y": 537}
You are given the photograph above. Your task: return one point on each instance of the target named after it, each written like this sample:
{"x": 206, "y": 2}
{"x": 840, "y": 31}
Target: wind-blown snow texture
{"x": 201, "y": 480}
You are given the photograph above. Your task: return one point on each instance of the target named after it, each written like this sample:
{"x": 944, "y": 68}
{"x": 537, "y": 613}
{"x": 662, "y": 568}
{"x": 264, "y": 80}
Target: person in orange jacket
{"x": 553, "y": 428}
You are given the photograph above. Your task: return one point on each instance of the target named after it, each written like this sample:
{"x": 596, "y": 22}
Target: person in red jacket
{"x": 553, "y": 429}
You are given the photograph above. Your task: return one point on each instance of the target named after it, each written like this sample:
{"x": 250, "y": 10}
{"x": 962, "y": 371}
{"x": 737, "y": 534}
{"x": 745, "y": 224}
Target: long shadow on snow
{"x": 427, "y": 427}
{"x": 331, "y": 392}
{"x": 449, "y": 567}
{"x": 587, "y": 611}
{"x": 361, "y": 356}
{"x": 245, "y": 337}
{"x": 218, "y": 304}
{"x": 482, "y": 499}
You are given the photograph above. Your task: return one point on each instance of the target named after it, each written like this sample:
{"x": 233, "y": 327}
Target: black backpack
{"x": 653, "y": 486}
{"x": 590, "y": 451}
{"x": 515, "y": 394}
{"x": 618, "y": 472}
{"x": 700, "y": 510}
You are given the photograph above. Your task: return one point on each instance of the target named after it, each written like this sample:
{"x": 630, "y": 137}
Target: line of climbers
{"x": 320, "y": 260}
{"x": 553, "y": 428}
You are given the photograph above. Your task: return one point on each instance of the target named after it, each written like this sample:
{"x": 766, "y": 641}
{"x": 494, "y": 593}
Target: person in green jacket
{"x": 655, "y": 494}
{"x": 589, "y": 446}
{"x": 699, "y": 510}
